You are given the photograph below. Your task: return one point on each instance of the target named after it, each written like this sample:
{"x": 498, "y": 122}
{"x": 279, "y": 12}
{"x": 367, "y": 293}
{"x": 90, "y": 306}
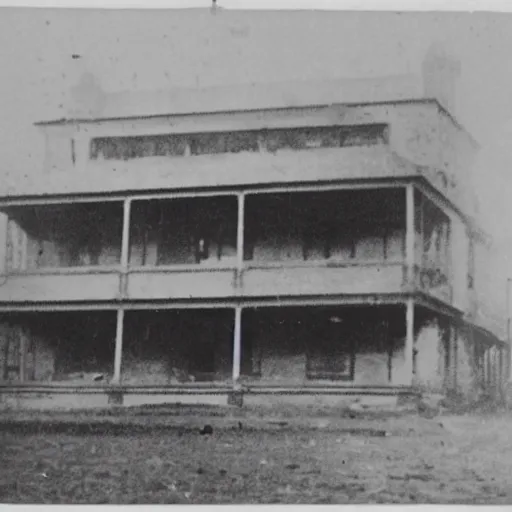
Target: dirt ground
{"x": 452, "y": 459}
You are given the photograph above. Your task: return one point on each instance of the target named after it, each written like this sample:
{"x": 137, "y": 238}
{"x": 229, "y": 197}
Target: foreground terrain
{"x": 455, "y": 459}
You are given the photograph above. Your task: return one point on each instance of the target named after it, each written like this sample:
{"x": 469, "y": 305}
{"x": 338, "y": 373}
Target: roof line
{"x": 485, "y": 331}
{"x": 453, "y": 119}
{"x": 123, "y": 193}
{"x": 63, "y": 121}
{"x": 88, "y": 120}
{"x": 441, "y": 108}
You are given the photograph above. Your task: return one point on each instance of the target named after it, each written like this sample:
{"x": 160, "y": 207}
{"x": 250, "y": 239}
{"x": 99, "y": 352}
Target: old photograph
{"x": 255, "y": 254}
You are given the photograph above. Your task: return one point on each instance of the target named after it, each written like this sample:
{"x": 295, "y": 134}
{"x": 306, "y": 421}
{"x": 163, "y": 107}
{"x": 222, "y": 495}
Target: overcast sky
{"x": 137, "y": 50}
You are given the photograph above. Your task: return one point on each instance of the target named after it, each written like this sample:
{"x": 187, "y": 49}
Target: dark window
{"x": 330, "y": 355}
{"x": 285, "y": 139}
{"x": 208, "y": 143}
{"x": 325, "y": 137}
{"x": 333, "y": 366}
{"x": 170, "y": 145}
{"x": 363, "y": 135}
{"x": 238, "y": 142}
{"x": 224, "y": 142}
{"x": 126, "y": 148}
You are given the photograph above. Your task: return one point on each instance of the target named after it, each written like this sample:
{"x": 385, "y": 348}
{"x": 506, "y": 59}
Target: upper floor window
{"x": 325, "y": 137}
{"x": 224, "y": 142}
{"x": 127, "y": 148}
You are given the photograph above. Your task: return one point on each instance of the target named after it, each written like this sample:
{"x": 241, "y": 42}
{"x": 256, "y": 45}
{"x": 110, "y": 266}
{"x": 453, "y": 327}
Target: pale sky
{"x": 154, "y": 50}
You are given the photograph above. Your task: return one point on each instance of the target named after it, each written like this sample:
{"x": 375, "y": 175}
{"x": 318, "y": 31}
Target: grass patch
{"x": 468, "y": 460}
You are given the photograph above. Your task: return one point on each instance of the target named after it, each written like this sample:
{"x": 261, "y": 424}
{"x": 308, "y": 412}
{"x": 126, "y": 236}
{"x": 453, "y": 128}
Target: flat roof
{"x": 89, "y": 120}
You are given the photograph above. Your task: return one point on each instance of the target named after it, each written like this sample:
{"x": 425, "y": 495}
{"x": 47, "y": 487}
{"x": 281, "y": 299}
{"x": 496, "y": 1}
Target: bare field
{"x": 456, "y": 459}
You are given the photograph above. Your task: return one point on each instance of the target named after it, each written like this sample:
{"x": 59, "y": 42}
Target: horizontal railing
{"x": 253, "y": 279}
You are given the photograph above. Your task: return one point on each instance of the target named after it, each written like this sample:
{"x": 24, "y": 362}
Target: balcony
{"x": 62, "y": 252}
{"x": 223, "y": 247}
{"x": 183, "y": 248}
{"x": 341, "y": 242}
{"x": 433, "y": 247}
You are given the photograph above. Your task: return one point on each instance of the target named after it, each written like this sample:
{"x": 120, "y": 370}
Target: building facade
{"x": 321, "y": 250}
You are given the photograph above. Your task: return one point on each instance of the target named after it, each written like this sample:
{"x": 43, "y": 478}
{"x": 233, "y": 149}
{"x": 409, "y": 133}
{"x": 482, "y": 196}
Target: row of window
{"x": 127, "y": 148}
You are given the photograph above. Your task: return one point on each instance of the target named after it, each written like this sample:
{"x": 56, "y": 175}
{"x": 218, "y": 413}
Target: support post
{"x": 23, "y": 249}
{"x": 446, "y": 334}
{"x": 490, "y": 367}
{"x": 4, "y": 221}
{"x": 449, "y": 259}
{"x": 502, "y": 375}
{"x": 495, "y": 363}
{"x": 119, "y": 347}
{"x": 125, "y": 246}
{"x": 455, "y": 354}
{"x": 237, "y": 345}
{"x": 410, "y": 234}
{"x": 421, "y": 224}
{"x": 500, "y": 367}
{"x": 240, "y": 237}
{"x": 13, "y": 234}
{"x": 409, "y": 339}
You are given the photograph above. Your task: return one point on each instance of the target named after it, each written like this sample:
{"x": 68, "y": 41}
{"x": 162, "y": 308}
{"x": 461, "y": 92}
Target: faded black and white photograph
{"x": 255, "y": 252}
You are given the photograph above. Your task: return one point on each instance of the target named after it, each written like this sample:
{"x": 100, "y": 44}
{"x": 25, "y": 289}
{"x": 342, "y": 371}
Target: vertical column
{"x": 237, "y": 337}
{"x": 488, "y": 367}
{"x": 448, "y": 254}
{"x": 237, "y": 345}
{"x": 240, "y": 238}
{"x": 409, "y": 339}
{"x": 491, "y": 366}
{"x": 420, "y": 221}
{"x": 495, "y": 366}
{"x": 455, "y": 354}
{"x": 4, "y": 220}
{"x": 14, "y": 240}
{"x": 23, "y": 249}
{"x": 119, "y": 346}
{"x": 410, "y": 234}
{"x": 446, "y": 335}
{"x": 500, "y": 367}
{"x": 125, "y": 246}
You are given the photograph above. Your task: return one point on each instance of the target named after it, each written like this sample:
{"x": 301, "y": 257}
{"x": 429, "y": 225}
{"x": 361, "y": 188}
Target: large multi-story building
{"x": 314, "y": 240}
